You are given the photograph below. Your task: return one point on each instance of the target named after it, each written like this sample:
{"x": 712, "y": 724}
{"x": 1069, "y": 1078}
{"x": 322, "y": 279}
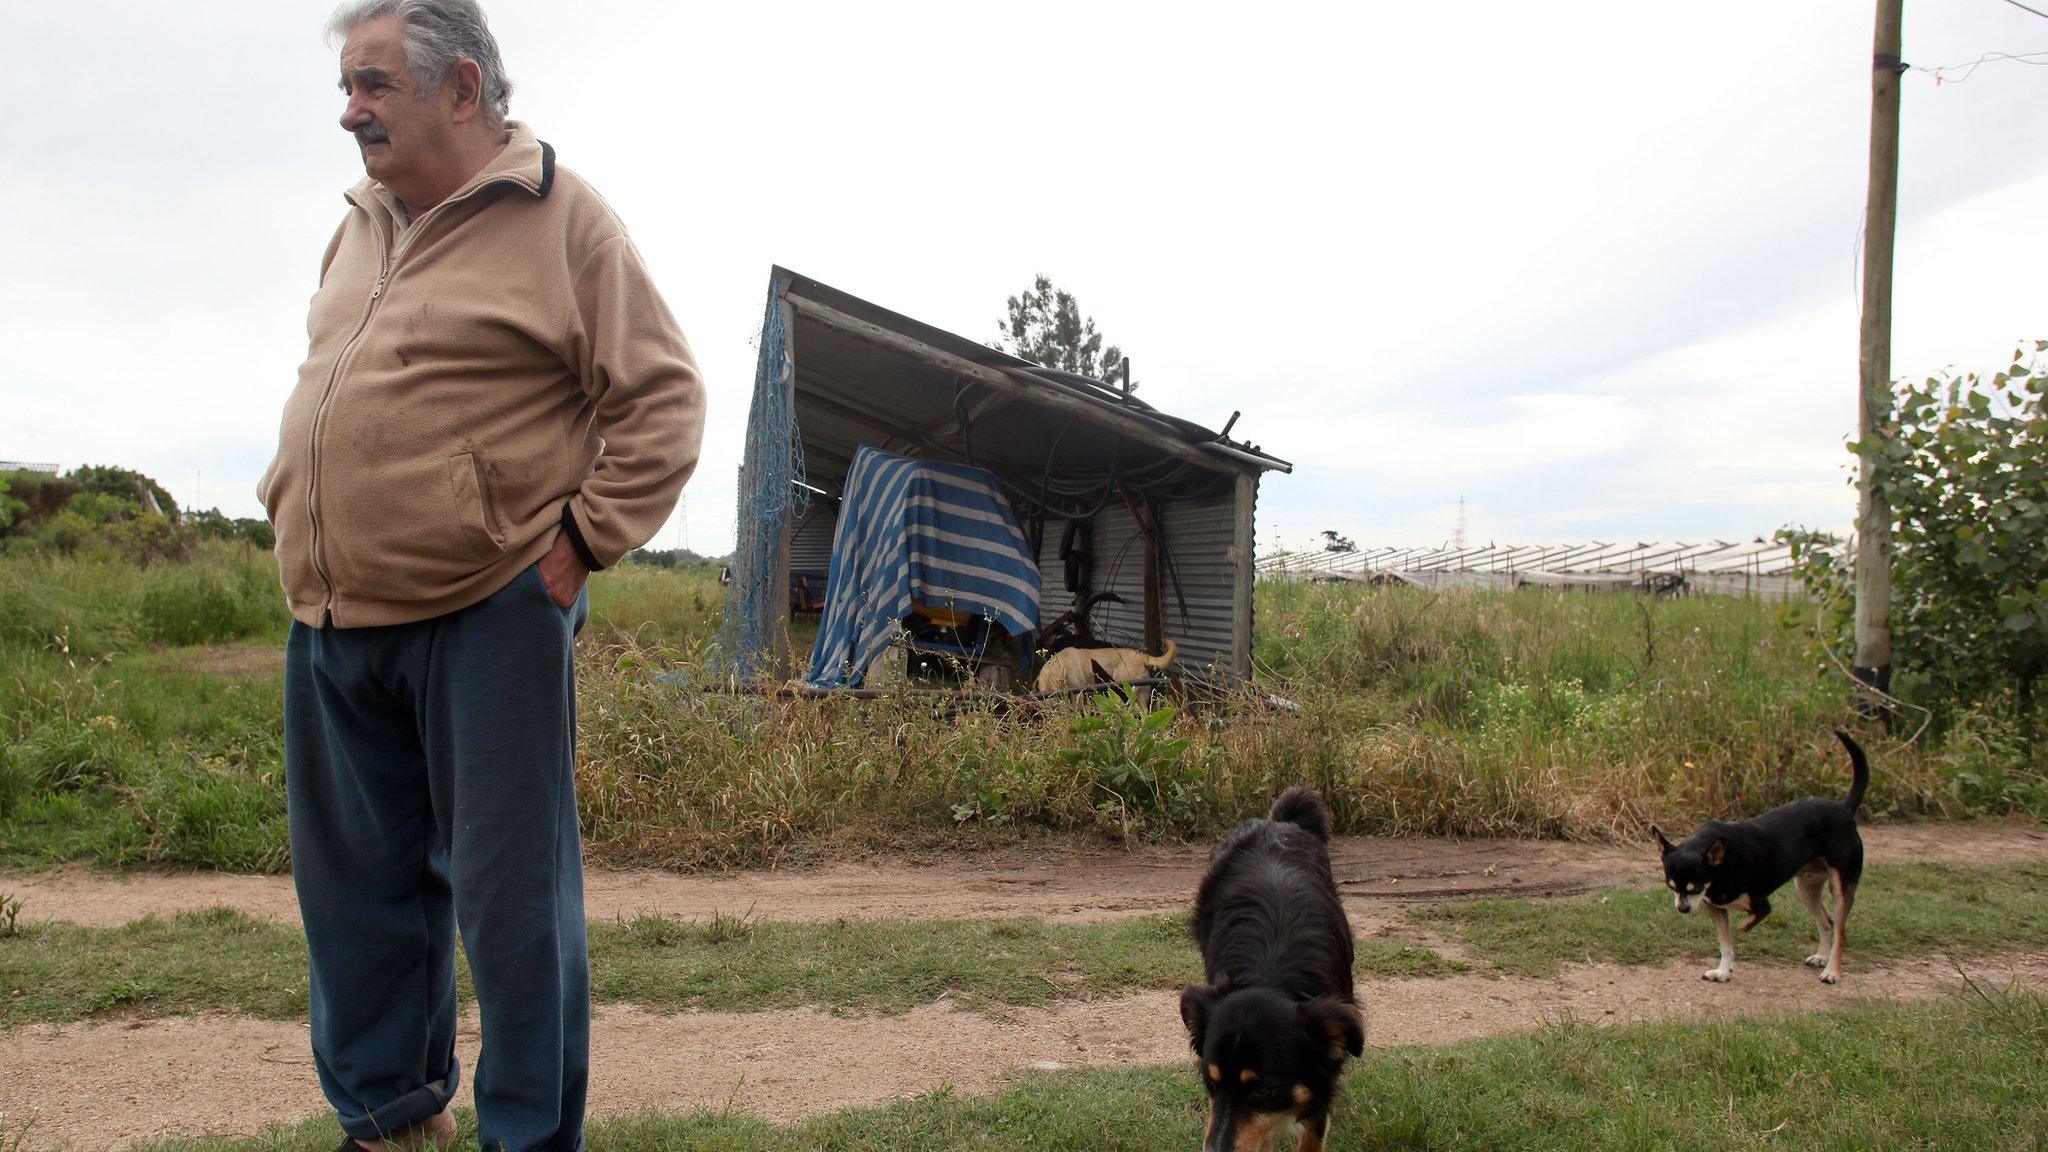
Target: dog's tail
{"x": 1164, "y": 658}
{"x": 1861, "y": 763}
{"x": 1302, "y": 807}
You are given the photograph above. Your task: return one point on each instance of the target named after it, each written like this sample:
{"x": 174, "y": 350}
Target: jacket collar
{"x": 527, "y": 163}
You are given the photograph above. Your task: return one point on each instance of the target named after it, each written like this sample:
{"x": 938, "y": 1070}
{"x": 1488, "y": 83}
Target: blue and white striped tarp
{"x": 941, "y": 534}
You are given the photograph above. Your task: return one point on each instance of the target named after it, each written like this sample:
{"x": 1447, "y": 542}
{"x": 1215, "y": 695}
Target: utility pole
{"x": 1874, "y": 394}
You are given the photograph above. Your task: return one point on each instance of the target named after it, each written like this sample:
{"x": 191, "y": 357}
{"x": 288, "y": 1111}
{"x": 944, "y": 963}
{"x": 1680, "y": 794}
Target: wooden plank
{"x": 880, "y": 425}
{"x": 1098, "y": 412}
{"x": 1153, "y": 589}
{"x": 1241, "y": 546}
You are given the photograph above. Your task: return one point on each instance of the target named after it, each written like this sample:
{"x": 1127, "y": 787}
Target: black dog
{"x": 1738, "y": 865}
{"x": 1273, "y": 1026}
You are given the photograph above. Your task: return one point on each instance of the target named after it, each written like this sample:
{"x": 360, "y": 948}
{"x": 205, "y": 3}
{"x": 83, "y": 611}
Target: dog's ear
{"x": 1337, "y": 1023}
{"x": 1195, "y": 1002}
{"x": 1716, "y": 853}
{"x": 1664, "y": 845}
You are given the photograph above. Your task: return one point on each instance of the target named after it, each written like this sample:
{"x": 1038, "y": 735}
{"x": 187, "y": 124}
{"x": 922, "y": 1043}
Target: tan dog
{"x": 1077, "y": 667}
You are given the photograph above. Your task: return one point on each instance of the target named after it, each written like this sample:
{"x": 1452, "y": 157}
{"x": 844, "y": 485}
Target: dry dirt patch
{"x": 111, "y": 1084}
{"x": 226, "y": 660}
{"x": 1378, "y": 875}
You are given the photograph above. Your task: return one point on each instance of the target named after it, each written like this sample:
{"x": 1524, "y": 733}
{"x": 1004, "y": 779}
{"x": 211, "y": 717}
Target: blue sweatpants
{"x": 430, "y": 770}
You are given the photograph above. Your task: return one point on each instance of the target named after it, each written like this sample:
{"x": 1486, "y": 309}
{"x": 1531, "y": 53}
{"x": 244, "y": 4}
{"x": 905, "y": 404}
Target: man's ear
{"x": 1337, "y": 1021}
{"x": 1664, "y": 845}
{"x": 1195, "y": 1002}
{"x": 466, "y": 84}
{"x": 1716, "y": 852}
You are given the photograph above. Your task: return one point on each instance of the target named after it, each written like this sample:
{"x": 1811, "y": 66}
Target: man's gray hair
{"x": 438, "y": 34}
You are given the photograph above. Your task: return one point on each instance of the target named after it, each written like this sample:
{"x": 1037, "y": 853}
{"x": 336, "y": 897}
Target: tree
{"x": 1964, "y": 464}
{"x": 673, "y": 558}
{"x": 1045, "y": 326}
{"x": 9, "y": 506}
{"x": 1334, "y": 542}
{"x": 124, "y": 484}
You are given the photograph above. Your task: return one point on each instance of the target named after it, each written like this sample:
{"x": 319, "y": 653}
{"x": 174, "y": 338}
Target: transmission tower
{"x": 1458, "y": 536}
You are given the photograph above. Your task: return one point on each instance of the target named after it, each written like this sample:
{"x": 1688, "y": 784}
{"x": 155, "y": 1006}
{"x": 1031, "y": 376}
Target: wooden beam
{"x": 1154, "y": 586}
{"x": 992, "y": 402}
{"x": 871, "y": 421}
{"x": 1873, "y": 567}
{"x": 1047, "y": 396}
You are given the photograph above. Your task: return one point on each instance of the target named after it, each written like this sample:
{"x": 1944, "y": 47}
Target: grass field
{"x": 222, "y": 961}
{"x": 1861, "y": 1078}
{"x": 1904, "y": 910}
{"x": 141, "y": 717}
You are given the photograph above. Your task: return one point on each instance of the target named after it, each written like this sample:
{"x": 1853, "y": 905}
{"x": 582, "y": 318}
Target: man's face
{"x": 401, "y": 131}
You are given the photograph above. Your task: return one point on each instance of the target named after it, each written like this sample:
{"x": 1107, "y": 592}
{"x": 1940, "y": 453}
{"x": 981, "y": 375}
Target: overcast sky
{"x": 1590, "y": 266}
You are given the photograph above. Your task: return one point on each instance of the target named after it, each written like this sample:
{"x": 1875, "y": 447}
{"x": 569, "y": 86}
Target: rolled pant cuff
{"x": 408, "y": 1111}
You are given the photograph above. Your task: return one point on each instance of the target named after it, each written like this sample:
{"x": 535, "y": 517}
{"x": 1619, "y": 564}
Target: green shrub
{"x": 70, "y": 754}
{"x": 220, "y": 816}
{"x": 11, "y": 508}
{"x": 192, "y": 605}
{"x": 1134, "y": 764}
{"x": 1963, "y": 464}
{"x": 17, "y": 782}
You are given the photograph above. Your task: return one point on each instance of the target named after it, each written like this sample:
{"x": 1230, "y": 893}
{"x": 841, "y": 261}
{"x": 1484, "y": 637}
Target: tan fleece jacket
{"x": 500, "y": 370}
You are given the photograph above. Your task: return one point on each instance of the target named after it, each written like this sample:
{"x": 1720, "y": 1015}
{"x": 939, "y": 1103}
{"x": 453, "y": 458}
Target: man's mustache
{"x": 372, "y": 134}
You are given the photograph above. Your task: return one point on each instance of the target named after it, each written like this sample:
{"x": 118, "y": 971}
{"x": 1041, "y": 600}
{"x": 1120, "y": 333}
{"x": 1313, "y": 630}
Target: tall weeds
{"x": 1532, "y": 713}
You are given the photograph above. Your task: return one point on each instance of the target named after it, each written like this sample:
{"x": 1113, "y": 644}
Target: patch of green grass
{"x": 216, "y": 960}
{"x": 1901, "y": 910}
{"x": 206, "y": 604}
{"x": 1872, "y": 1077}
{"x": 223, "y": 961}
{"x": 678, "y": 608}
{"x": 888, "y": 965}
{"x": 145, "y": 758}
{"x": 1392, "y": 959}
{"x": 88, "y": 608}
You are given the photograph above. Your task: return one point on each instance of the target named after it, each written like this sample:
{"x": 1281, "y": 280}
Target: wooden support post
{"x": 1873, "y": 571}
{"x": 1154, "y": 608}
{"x": 784, "y": 668}
{"x": 1241, "y": 546}
{"x": 1155, "y": 595}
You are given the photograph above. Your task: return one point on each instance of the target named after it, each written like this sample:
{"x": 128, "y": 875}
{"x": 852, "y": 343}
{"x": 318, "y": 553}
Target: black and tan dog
{"x": 1274, "y": 1024}
{"x": 1738, "y": 864}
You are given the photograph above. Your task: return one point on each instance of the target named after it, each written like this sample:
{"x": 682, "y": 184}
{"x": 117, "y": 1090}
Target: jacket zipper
{"x": 320, "y": 415}
{"x": 387, "y": 265}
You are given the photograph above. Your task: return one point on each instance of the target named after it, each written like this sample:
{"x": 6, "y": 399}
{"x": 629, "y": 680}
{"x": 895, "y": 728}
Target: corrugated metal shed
{"x": 1066, "y": 449}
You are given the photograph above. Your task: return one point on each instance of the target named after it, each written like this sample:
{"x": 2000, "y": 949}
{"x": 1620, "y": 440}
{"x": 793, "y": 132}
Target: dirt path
{"x": 111, "y": 1084}
{"x": 1378, "y": 876}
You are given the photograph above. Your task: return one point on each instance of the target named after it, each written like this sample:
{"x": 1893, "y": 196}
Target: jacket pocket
{"x": 478, "y": 519}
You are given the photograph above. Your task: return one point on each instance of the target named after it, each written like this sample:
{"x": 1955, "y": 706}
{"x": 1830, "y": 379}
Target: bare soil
{"x": 112, "y": 1084}
{"x": 1376, "y": 874}
{"x": 226, "y": 660}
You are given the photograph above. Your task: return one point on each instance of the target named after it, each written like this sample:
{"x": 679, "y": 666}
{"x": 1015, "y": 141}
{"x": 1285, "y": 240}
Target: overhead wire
{"x": 1939, "y": 72}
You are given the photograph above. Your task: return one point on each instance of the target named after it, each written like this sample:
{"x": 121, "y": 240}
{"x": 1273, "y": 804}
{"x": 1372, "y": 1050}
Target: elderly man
{"x": 495, "y": 403}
